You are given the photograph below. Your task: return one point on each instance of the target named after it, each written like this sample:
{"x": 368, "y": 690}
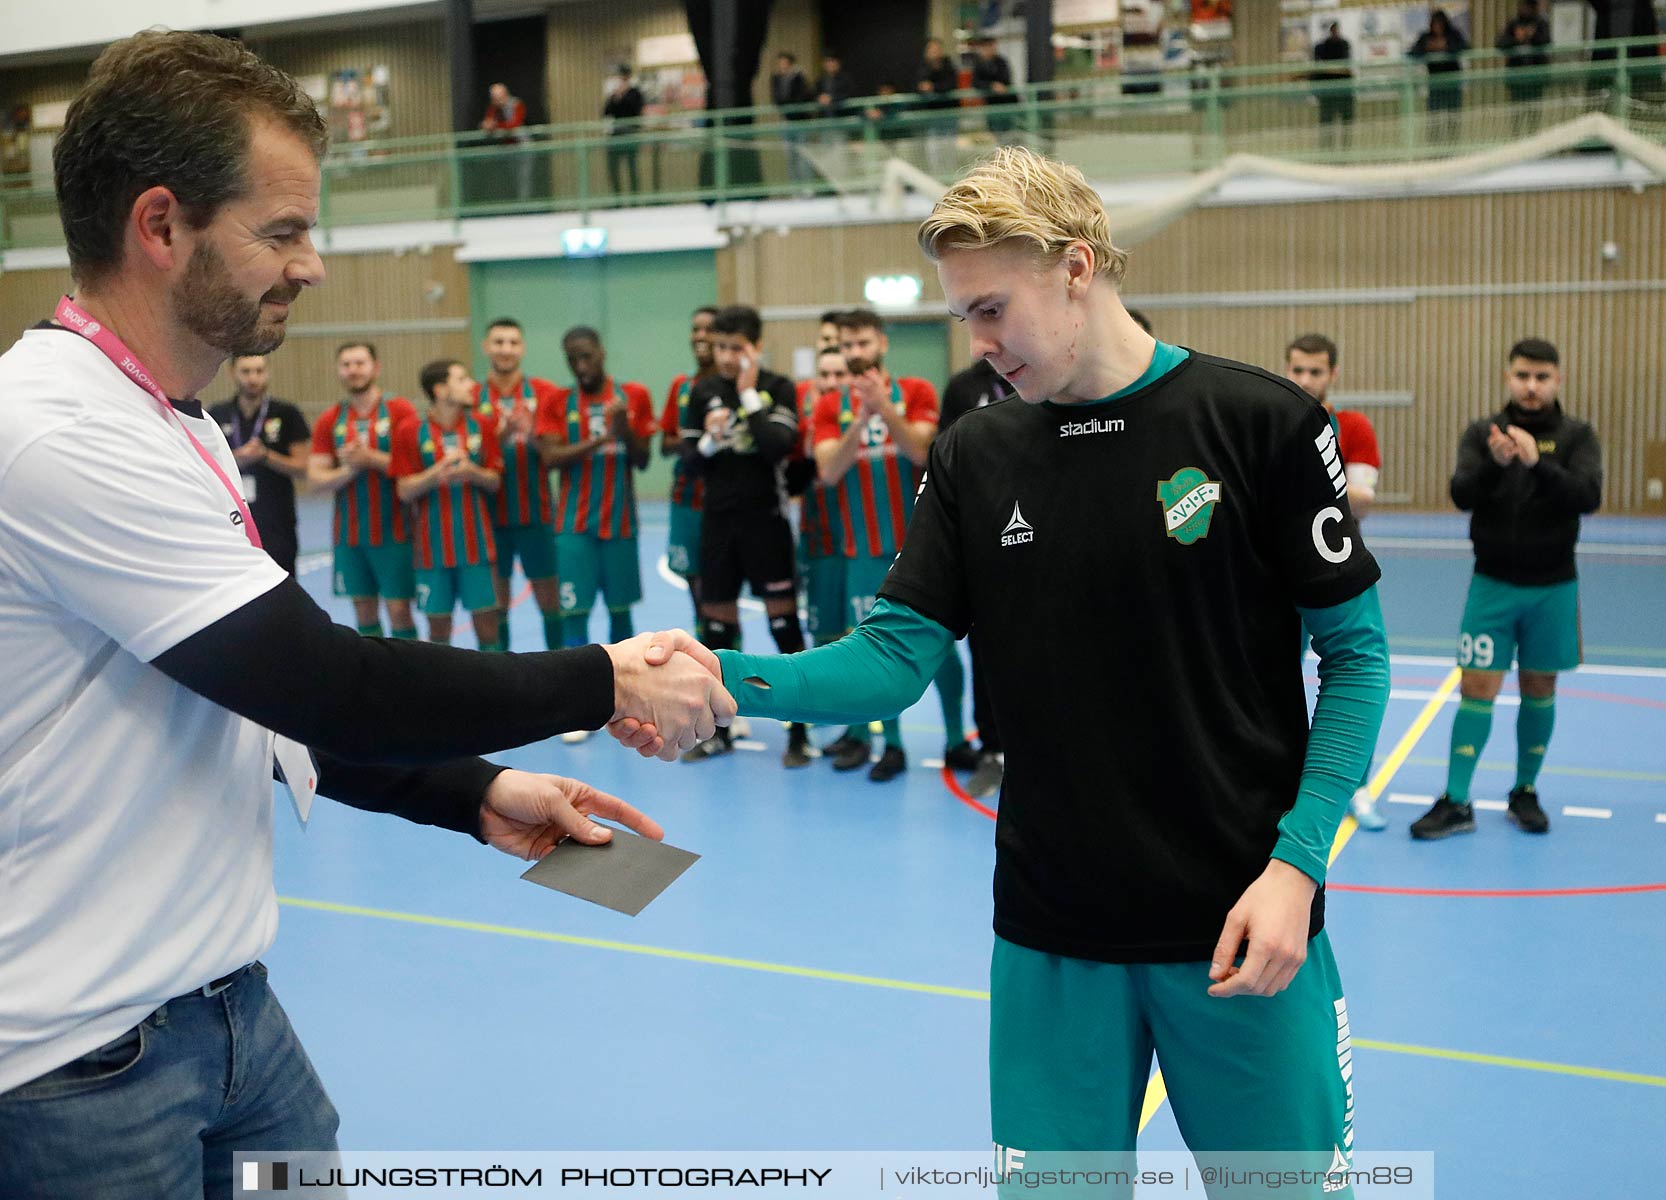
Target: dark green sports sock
{"x": 951, "y": 694}
{"x": 405, "y": 635}
{"x": 619, "y": 624}
{"x": 374, "y": 629}
{"x": 502, "y": 642}
{"x": 439, "y": 641}
{"x": 1533, "y": 725}
{"x": 553, "y": 639}
{"x": 892, "y": 730}
{"x": 1469, "y": 736}
{"x": 575, "y": 628}
{"x": 859, "y": 733}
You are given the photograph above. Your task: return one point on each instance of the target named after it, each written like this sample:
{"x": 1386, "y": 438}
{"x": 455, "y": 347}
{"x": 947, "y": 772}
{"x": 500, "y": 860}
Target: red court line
{"x": 1613, "y": 698}
{"x": 526, "y": 590}
{"x": 1505, "y": 893}
{"x": 959, "y": 793}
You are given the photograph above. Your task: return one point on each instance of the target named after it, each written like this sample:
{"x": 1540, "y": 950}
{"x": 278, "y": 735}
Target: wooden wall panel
{"x": 413, "y": 51}
{"x": 1433, "y": 292}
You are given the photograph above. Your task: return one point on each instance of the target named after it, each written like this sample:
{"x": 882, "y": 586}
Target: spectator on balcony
{"x": 936, "y": 82}
{"x": 1439, "y": 48}
{"x": 1523, "y": 40}
{"x": 1335, "y": 92}
{"x": 992, "y": 75}
{"x": 623, "y": 112}
{"x": 834, "y": 89}
{"x": 505, "y": 121}
{"x": 788, "y": 89}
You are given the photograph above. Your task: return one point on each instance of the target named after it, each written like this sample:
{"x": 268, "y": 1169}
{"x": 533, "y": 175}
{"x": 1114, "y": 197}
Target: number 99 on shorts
{"x": 1475, "y": 652}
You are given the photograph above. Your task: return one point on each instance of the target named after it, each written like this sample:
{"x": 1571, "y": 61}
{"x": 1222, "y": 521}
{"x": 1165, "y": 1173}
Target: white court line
{"x": 1425, "y": 801}
{"x": 1625, "y": 549}
{"x": 1574, "y": 810}
{"x": 308, "y": 563}
{"x": 1432, "y": 660}
{"x": 1491, "y": 805}
{"x": 1660, "y": 818}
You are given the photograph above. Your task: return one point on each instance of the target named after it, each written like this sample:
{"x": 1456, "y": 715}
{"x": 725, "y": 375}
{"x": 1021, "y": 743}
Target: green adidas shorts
{"x": 1070, "y": 1053}
{"x": 824, "y": 597}
{"x": 1506, "y": 621}
{"x": 590, "y": 564}
{"x": 385, "y": 571}
{"x": 534, "y": 545}
{"x": 440, "y": 588}
{"x": 682, "y": 550}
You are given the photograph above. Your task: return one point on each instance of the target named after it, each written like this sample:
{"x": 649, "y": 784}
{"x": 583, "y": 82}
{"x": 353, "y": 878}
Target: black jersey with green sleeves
{"x": 1133, "y": 570}
{"x": 747, "y": 474}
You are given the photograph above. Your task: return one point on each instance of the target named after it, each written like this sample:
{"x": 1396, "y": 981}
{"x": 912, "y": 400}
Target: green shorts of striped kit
{"x": 534, "y": 545}
{"x": 440, "y": 589}
{"x": 824, "y": 597}
{"x": 1506, "y": 621}
{"x": 682, "y": 550}
{"x": 384, "y": 571}
{"x": 1071, "y": 1043}
{"x": 590, "y": 564}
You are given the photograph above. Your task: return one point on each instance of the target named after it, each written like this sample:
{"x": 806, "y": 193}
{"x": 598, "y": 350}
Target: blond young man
{"x": 1135, "y": 543}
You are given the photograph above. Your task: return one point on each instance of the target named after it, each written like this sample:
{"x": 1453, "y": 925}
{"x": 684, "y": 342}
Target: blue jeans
{"x": 157, "y": 1113}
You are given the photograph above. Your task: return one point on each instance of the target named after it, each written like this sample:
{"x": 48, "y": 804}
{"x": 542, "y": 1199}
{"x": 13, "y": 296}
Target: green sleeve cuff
{"x": 1353, "y": 695}
{"x": 872, "y": 673}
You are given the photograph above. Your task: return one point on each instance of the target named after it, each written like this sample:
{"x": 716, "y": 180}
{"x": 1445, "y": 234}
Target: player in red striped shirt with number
{"x": 522, "y": 522}
{"x": 447, "y": 465}
{"x": 871, "y": 443}
{"x": 597, "y": 434}
{"x": 351, "y": 442}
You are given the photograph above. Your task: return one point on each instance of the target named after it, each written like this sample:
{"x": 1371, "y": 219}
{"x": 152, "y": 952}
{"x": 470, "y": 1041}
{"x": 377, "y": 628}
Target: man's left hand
{"x": 1273, "y": 914}
{"x": 525, "y": 815}
{"x": 1527, "y": 446}
{"x": 249, "y": 453}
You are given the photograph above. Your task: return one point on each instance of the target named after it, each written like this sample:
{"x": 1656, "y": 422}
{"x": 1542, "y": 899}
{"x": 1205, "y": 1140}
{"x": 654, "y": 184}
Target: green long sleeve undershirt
{"x": 885, "y": 665}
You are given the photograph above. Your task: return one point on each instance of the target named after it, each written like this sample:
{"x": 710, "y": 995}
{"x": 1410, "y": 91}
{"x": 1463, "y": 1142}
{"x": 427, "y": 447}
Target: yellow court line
{"x": 568, "y": 939}
{"x": 1524, "y": 1064}
{"x": 1156, "y": 1091}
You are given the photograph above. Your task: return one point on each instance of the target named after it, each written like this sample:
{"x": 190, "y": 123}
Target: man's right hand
{"x": 1501, "y": 446}
{"x": 680, "y": 696}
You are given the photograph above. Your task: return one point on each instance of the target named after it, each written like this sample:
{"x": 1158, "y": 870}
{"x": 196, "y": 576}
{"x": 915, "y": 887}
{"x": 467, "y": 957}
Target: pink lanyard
{"x": 73, "y": 317}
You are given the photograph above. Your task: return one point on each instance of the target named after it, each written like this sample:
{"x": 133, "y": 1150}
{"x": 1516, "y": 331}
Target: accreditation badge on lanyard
{"x": 293, "y": 763}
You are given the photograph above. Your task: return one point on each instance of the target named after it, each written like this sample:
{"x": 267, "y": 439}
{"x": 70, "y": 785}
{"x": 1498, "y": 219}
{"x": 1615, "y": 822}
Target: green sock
{"x": 951, "y": 694}
{"x": 374, "y": 629}
{"x": 552, "y": 632}
{"x": 892, "y": 730}
{"x": 405, "y": 635}
{"x": 1533, "y": 725}
{"x": 575, "y": 628}
{"x": 502, "y": 642}
{"x": 619, "y": 624}
{"x": 437, "y": 640}
{"x": 858, "y": 733}
{"x": 1469, "y": 736}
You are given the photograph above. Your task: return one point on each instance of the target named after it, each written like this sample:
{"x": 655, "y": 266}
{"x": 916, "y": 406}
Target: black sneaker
{"x": 1525, "y": 810}
{"x": 986, "y": 780}
{"x": 853, "y": 754}
{"x": 961, "y": 757}
{"x": 839, "y": 744}
{"x": 891, "y": 764}
{"x": 798, "y": 748}
{"x": 712, "y": 747}
{"x": 1443, "y": 820}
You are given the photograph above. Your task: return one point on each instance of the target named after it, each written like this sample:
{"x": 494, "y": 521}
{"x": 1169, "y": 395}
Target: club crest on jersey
{"x": 273, "y": 424}
{"x": 1188, "y": 499}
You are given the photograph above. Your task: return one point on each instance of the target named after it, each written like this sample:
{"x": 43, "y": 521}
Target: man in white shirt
{"x": 153, "y": 652}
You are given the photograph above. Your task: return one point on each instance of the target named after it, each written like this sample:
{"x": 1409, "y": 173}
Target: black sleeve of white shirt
{"x": 446, "y": 795}
{"x": 1311, "y": 532}
{"x": 280, "y": 662}
{"x": 930, "y": 574}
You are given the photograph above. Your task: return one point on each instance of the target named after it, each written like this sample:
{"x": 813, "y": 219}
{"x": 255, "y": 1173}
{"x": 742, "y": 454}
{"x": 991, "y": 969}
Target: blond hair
{"x": 1016, "y": 194}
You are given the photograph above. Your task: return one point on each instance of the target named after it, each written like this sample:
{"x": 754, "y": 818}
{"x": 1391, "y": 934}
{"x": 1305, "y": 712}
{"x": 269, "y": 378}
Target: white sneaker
{"x": 576, "y": 736}
{"x": 1365, "y": 812}
{"x": 740, "y": 727}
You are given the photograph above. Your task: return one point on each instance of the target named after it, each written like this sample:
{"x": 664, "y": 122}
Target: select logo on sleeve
{"x": 1188, "y": 499}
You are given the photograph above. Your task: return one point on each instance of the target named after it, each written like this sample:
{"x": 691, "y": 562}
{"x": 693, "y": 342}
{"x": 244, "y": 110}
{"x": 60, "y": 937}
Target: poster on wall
{"x": 672, "y": 91}
{"x": 14, "y": 140}
{"x": 1211, "y": 20}
{"x": 359, "y": 104}
{"x": 1295, "y": 41}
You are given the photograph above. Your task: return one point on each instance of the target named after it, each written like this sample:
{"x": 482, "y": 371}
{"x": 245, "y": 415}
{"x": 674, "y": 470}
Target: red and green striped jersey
{"x": 687, "y": 488}
{"x": 818, "y": 521}
{"x": 524, "y": 498}
{"x": 453, "y": 522}
{"x": 367, "y": 510}
{"x": 876, "y": 496}
{"x": 598, "y": 493}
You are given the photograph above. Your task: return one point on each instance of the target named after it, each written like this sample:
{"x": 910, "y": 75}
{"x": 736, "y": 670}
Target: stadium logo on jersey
{"x": 1093, "y": 425}
{"x": 1188, "y": 499}
{"x": 1322, "y": 518}
{"x": 1331, "y": 455}
{"x": 1018, "y": 530}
